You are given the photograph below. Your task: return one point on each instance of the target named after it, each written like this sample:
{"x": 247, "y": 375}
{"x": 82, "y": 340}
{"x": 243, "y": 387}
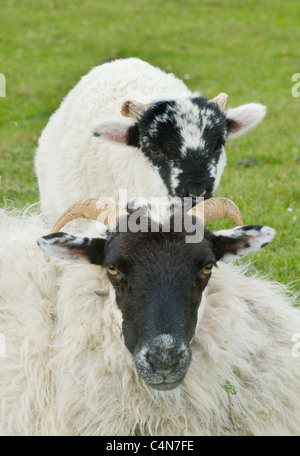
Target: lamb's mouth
{"x": 198, "y": 196}
{"x": 206, "y": 194}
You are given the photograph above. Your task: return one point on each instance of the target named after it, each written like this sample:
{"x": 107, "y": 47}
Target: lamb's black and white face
{"x": 184, "y": 142}
{"x": 183, "y": 139}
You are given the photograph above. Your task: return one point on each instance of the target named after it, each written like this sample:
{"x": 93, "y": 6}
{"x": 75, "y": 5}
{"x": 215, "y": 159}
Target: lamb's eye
{"x": 207, "y": 269}
{"x": 112, "y": 269}
{"x": 219, "y": 144}
{"x": 156, "y": 152}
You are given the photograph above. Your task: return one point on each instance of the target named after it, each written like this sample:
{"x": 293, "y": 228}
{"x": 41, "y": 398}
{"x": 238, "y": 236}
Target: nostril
{"x": 165, "y": 363}
{"x": 198, "y": 195}
{"x": 151, "y": 360}
{"x": 196, "y": 192}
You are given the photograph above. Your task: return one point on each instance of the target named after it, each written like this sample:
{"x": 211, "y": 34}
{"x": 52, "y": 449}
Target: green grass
{"x": 248, "y": 49}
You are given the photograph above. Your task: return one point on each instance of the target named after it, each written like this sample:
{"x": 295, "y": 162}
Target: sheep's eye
{"x": 219, "y": 144}
{"x": 207, "y": 269}
{"x": 156, "y": 152}
{"x": 112, "y": 269}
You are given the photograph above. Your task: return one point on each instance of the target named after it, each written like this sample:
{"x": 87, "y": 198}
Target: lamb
{"x": 69, "y": 367}
{"x": 170, "y": 142}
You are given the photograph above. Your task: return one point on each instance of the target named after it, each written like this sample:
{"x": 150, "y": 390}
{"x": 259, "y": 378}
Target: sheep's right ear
{"x": 73, "y": 248}
{"x": 243, "y": 118}
{"x": 124, "y": 131}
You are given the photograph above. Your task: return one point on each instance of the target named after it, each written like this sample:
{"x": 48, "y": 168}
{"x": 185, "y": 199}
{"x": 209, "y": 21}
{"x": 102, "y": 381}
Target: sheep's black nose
{"x": 196, "y": 191}
{"x": 165, "y": 358}
{"x": 194, "y": 195}
{"x": 163, "y": 361}
{"x": 205, "y": 194}
{"x": 166, "y": 362}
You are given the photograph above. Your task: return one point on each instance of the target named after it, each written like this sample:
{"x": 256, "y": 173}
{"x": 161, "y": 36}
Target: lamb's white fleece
{"x": 71, "y": 163}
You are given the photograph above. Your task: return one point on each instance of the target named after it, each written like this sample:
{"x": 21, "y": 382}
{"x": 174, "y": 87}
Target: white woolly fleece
{"x": 67, "y": 371}
{"x": 98, "y": 167}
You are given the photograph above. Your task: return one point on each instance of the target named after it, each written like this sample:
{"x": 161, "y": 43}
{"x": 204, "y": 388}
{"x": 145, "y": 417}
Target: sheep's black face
{"x": 158, "y": 280}
{"x": 184, "y": 141}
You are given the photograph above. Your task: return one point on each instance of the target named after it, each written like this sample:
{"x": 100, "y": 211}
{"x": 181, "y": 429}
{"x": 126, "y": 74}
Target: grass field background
{"x": 248, "y": 49}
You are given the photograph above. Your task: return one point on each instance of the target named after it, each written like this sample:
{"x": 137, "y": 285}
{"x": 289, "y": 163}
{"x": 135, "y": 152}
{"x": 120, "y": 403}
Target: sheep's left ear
{"x": 120, "y": 130}
{"x": 242, "y": 118}
{"x": 233, "y": 244}
{"x": 73, "y": 248}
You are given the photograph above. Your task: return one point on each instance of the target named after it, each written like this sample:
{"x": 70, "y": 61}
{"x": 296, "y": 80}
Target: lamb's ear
{"x": 124, "y": 131}
{"x": 233, "y": 244}
{"x": 242, "y": 118}
{"x": 73, "y": 248}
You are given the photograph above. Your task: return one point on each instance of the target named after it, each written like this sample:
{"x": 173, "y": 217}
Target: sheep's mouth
{"x": 165, "y": 386}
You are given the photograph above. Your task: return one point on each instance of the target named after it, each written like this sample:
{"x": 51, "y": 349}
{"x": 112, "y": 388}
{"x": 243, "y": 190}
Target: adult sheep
{"x": 67, "y": 370}
{"x": 172, "y": 143}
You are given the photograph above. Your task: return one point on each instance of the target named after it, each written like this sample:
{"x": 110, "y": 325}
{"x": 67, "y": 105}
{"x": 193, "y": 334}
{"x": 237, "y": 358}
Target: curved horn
{"x": 104, "y": 210}
{"x": 217, "y": 208}
{"x": 134, "y": 109}
{"x": 221, "y": 100}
